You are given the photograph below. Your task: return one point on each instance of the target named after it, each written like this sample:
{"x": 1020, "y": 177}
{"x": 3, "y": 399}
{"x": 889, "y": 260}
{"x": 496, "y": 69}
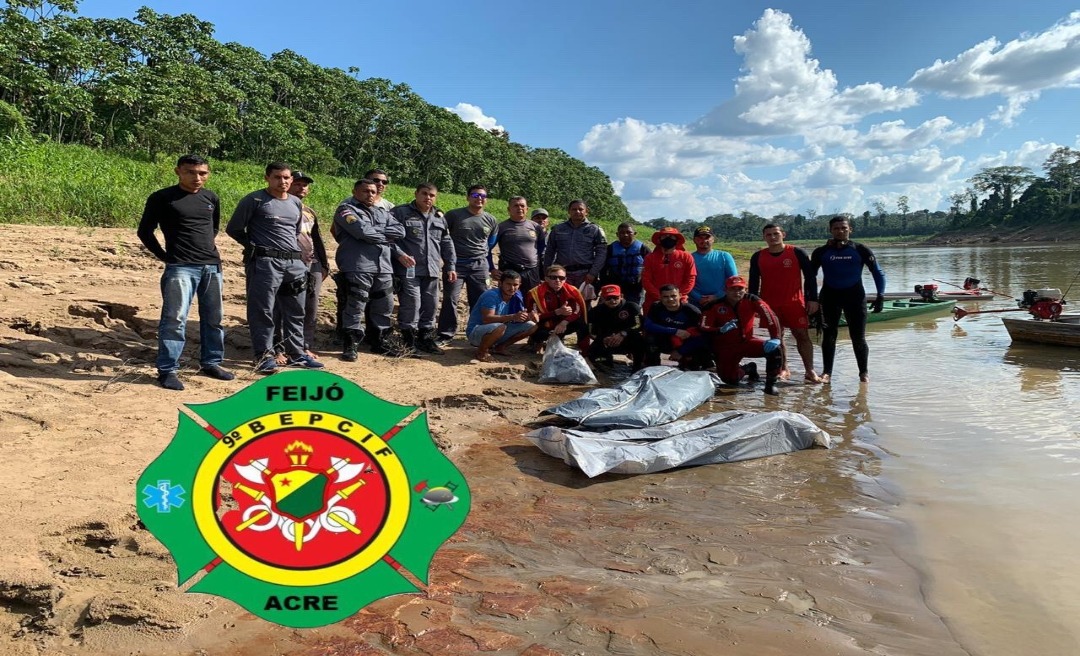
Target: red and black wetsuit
{"x": 787, "y": 281}
{"x": 738, "y": 342}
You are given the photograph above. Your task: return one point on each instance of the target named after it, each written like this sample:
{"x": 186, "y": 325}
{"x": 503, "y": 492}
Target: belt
{"x": 582, "y": 267}
{"x": 274, "y": 253}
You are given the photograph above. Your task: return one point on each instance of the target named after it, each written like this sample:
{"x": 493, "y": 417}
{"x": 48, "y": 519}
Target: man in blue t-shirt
{"x": 713, "y": 266}
{"x": 499, "y": 318}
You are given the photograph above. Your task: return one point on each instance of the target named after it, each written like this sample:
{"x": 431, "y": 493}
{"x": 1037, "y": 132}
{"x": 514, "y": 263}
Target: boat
{"x": 1063, "y": 331}
{"x": 971, "y": 295}
{"x": 900, "y": 309}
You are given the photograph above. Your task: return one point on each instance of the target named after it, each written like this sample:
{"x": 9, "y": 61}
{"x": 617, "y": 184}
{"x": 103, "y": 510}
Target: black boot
{"x": 773, "y": 363}
{"x": 407, "y": 347}
{"x": 427, "y": 343}
{"x": 376, "y": 340}
{"x": 750, "y": 369}
{"x": 351, "y": 338}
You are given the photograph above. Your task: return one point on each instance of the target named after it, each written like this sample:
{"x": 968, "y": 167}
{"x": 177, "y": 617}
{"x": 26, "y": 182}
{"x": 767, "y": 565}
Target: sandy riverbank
{"x": 778, "y": 556}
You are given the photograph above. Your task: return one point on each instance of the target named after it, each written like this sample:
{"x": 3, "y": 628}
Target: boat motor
{"x": 971, "y": 283}
{"x": 927, "y": 292}
{"x": 1043, "y": 303}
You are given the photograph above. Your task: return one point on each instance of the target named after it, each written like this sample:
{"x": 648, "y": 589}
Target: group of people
{"x": 693, "y": 306}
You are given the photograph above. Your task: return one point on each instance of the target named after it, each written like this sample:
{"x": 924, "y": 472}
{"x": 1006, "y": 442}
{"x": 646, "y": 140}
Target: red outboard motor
{"x": 1045, "y": 304}
{"x": 927, "y": 292}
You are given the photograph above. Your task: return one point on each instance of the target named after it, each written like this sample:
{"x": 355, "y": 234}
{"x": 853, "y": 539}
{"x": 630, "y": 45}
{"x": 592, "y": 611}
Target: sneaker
{"x": 443, "y": 340}
{"x": 217, "y": 372}
{"x": 307, "y": 362}
{"x": 266, "y": 366}
{"x": 170, "y": 381}
{"x": 750, "y": 369}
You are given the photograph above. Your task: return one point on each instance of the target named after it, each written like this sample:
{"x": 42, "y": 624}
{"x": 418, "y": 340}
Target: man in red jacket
{"x": 669, "y": 264}
{"x": 729, "y": 322}
{"x": 558, "y": 308}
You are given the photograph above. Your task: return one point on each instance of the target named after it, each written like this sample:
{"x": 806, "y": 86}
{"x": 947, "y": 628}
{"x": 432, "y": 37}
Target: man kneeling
{"x": 499, "y": 318}
{"x": 672, "y": 326}
{"x": 729, "y": 323}
{"x": 616, "y": 328}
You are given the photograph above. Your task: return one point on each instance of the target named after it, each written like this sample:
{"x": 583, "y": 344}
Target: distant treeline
{"x": 1003, "y": 196}
{"x": 162, "y": 84}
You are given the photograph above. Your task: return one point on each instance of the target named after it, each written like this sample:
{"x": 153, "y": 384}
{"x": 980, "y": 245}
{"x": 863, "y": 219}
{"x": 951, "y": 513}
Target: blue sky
{"x": 698, "y": 108}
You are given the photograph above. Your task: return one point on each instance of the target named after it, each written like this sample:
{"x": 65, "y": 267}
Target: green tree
{"x": 1005, "y": 181}
{"x": 1063, "y": 169}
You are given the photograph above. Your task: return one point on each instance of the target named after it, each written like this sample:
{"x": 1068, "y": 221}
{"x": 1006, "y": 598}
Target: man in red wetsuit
{"x": 668, "y": 264}
{"x": 729, "y": 323}
{"x": 789, "y": 286}
{"x": 558, "y": 308}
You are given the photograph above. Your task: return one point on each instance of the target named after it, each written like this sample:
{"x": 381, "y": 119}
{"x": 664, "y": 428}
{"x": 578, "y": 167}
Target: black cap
{"x": 300, "y": 175}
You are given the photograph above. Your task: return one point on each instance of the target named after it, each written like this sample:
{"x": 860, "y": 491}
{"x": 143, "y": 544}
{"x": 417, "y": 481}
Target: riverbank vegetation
{"x": 156, "y": 86}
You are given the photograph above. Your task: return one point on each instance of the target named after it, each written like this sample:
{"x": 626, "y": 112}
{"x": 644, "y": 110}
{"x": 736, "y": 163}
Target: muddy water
{"x": 980, "y": 440}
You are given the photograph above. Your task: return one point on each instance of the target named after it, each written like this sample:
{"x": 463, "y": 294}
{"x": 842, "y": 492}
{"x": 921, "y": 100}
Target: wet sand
{"x": 790, "y": 554}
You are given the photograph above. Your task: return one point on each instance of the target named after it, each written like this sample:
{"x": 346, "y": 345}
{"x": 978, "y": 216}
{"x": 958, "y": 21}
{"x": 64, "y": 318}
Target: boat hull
{"x": 944, "y": 296}
{"x": 1063, "y": 332}
{"x": 898, "y": 309}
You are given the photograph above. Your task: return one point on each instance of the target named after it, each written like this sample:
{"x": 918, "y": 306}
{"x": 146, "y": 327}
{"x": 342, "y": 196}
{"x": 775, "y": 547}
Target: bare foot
{"x": 812, "y": 377}
{"x": 281, "y": 359}
{"x": 484, "y": 356}
{"x": 864, "y": 378}
{"x": 501, "y": 351}
{"x": 311, "y": 355}
{"x": 785, "y": 374}
{"x": 824, "y": 379}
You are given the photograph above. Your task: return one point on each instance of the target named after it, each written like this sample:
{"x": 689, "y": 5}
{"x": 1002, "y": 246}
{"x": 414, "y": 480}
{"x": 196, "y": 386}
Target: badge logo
{"x": 303, "y": 498}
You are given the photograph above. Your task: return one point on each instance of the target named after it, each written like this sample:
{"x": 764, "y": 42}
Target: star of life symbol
{"x": 164, "y": 496}
{"x": 314, "y": 502}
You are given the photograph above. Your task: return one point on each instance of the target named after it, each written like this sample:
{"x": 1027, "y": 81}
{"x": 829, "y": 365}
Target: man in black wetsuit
{"x": 615, "y": 324}
{"x": 189, "y": 216}
{"x": 841, "y": 262}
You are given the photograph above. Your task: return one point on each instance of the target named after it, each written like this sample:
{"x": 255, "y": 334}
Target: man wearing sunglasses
{"x": 381, "y": 180}
{"x": 578, "y": 245}
{"x": 557, "y": 308}
{"x": 473, "y": 230}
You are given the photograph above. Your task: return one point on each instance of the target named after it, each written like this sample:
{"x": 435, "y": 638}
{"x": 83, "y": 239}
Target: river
{"x": 979, "y": 441}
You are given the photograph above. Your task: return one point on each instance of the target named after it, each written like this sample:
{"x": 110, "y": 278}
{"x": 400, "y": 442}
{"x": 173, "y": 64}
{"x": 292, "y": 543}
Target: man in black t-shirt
{"x": 616, "y": 328}
{"x": 189, "y": 216}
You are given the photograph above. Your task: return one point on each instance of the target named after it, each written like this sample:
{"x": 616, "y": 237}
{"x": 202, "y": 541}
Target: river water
{"x": 979, "y": 441}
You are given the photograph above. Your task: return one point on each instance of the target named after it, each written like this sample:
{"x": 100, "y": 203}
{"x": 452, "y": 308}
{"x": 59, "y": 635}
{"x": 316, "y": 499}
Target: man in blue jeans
{"x": 189, "y": 216}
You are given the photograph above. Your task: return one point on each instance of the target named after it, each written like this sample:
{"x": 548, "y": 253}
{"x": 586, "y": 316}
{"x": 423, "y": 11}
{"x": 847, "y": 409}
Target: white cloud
{"x": 473, "y": 114}
{"x": 1018, "y": 70}
{"x": 785, "y": 91}
{"x": 925, "y": 166}
{"x": 895, "y": 135}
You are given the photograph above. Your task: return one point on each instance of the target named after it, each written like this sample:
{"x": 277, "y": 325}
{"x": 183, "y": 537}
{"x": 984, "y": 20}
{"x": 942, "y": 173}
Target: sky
{"x": 706, "y": 107}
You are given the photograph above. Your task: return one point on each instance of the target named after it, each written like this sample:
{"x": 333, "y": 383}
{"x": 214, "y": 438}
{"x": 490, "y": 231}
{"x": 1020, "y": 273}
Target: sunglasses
{"x": 476, "y": 194}
{"x": 556, "y": 277}
{"x": 380, "y": 181}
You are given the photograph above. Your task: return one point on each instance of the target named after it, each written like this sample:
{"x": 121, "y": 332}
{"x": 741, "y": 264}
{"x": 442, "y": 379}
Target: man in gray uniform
{"x": 426, "y": 252}
{"x": 267, "y": 223}
{"x": 472, "y": 230}
{"x": 313, "y": 253}
{"x": 364, "y": 233}
{"x": 578, "y": 245}
{"x": 520, "y": 242}
{"x": 381, "y": 179}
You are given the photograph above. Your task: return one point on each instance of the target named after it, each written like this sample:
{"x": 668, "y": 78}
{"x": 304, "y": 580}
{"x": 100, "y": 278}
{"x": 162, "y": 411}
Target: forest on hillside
{"x": 161, "y": 85}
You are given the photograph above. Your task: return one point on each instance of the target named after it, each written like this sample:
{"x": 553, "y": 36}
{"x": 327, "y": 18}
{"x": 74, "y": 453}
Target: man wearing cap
{"x": 668, "y": 264}
{"x": 539, "y": 216}
{"x": 623, "y": 264}
{"x": 783, "y": 274}
{"x": 473, "y": 231}
{"x": 615, "y": 324}
{"x": 713, "y": 268}
{"x": 499, "y": 318}
{"x": 520, "y": 243}
{"x": 728, "y": 322}
{"x": 267, "y": 223}
{"x": 558, "y": 308}
{"x": 189, "y": 216}
{"x": 841, "y": 262}
{"x": 577, "y": 245}
{"x": 420, "y": 258}
{"x": 365, "y": 233}
{"x": 313, "y": 254}
{"x": 673, "y": 326}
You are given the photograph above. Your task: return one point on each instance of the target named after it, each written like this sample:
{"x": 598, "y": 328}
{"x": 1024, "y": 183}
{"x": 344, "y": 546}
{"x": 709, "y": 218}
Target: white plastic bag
{"x": 588, "y": 292}
{"x": 562, "y": 365}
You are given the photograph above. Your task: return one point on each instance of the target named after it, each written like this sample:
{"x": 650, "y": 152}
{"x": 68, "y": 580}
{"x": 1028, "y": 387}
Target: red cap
{"x": 736, "y": 281}
{"x": 610, "y": 290}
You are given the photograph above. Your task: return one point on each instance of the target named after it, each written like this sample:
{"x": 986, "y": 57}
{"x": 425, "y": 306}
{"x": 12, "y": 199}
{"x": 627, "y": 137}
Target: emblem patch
{"x": 307, "y": 498}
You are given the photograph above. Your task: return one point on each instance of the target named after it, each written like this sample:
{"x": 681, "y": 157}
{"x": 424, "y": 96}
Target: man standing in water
{"x": 789, "y": 287}
{"x": 189, "y": 216}
{"x": 841, "y": 262}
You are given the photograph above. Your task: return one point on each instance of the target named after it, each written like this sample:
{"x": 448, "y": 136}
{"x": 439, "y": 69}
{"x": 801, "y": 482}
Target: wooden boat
{"x": 1063, "y": 331}
{"x": 898, "y": 309}
{"x": 973, "y": 295}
